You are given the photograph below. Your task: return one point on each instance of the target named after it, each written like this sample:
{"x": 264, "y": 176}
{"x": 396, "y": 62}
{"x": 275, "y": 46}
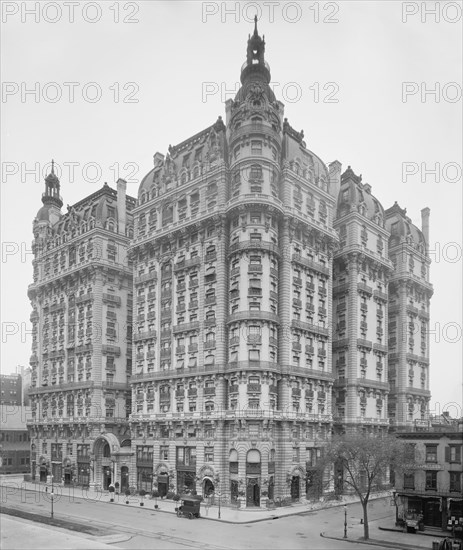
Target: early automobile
{"x": 190, "y": 506}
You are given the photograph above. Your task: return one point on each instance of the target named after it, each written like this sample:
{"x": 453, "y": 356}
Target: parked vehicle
{"x": 190, "y": 507}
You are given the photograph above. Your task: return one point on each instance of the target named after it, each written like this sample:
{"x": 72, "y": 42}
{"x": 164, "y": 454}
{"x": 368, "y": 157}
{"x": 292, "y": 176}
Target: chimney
{"x": 335, "y": 178}
{"x": 121, "y": 207}
{"x": 425, "y": 224}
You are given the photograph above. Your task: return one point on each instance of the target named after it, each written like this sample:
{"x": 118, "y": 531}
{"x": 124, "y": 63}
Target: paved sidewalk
{"x": 18, "y": 533}
{"x": 227, "y": 514}
{"x": 387, "y": 535}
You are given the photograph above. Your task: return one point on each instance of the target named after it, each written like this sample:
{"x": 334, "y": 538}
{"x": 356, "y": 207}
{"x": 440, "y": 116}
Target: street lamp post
{"x": 52, "y": 495}
{"x": 345, "y": 521}
{"x": 219, "y": 494}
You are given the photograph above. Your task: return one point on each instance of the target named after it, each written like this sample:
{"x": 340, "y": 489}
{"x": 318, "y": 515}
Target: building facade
{"x": 81, "y": 351}
{"x": 14, "y": 439}
{"x": 11, "y": 389}
{"x": 432, "y": 486}
{"x": 259, "y": 282}
{"x": 232, "y": 258}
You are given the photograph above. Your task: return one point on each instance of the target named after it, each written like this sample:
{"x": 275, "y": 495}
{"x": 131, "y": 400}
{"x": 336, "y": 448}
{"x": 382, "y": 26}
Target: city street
{"x": 131, "y": 527}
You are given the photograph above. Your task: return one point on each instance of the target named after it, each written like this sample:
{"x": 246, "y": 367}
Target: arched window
{"x": 106, "y": 451}
{"x": 209, "y": 359}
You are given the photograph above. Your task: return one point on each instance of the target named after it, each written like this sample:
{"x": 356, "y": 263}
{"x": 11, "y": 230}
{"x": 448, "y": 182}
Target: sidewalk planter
{"x": 127, "y": 494}
{"x": 155, "y": 495}
{"x": 111, "y": 493}
{"x": 142, "y": 494}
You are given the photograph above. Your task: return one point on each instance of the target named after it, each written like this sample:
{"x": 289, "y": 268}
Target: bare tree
{"x": 362, "y": 463}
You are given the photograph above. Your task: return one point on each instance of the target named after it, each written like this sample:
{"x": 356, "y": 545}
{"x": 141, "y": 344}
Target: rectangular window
{"x": 256, "y": 147}
{"x": 455, "y": 482}
{"x": 208, "y": 454}
{"x": 453, "y": 454}
{"x": 431, "y": 453}
{"x": 409, "y": 481}
{"x": 431, "y": 481}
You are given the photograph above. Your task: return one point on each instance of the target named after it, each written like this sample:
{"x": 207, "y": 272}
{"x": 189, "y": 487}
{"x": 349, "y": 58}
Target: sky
{"x": 100, "y": 87}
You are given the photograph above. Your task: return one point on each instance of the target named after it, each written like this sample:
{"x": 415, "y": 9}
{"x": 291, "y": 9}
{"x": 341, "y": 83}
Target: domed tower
{"x": 360, "y": 295}
{"x": 409, "y": 312}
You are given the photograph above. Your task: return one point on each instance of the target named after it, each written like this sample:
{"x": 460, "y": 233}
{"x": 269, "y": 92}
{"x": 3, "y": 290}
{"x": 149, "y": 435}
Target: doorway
{"x": 43, "y": 474}
{"x": 295, "y": 488}
{"x": 432, "y": 514}
{"x": 208, "y": 488}
{"x": 106, "y": 477}
{"x": 67, "y": 476}
{"x": 253, "y": 492}
{"x": 124, "y": 479}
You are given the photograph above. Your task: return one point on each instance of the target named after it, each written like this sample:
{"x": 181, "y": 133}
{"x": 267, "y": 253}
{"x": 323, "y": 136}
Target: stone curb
{"x": 374, "y": 542}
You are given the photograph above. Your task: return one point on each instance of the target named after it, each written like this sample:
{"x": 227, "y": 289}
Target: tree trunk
{"x": 366, "y": 530}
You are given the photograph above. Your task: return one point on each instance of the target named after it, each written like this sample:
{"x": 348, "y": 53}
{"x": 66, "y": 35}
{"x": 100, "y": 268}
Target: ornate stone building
{"x": 232, "y": 258}
{"x": 409, "y": 313}
{"x": 81, "y": 356}
{"x": 266, "y": 289}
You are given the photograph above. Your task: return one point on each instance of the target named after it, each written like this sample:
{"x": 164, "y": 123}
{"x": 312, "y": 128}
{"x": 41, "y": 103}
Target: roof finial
{"x": 255, "y": 26}
{"x": 52, "y": 166}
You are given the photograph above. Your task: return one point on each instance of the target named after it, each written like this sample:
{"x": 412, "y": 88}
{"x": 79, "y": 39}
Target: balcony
{"x": 310, "y": 307}
{"x": 140, "y": 357}
{"x": 181, "y": 308}
{"x": 296, "y": 346}
{"x": 151, "y": 354}
{"x": 151, "y": 276}
{"x": 263, "y": 315}
{"x": 254, "y": 388}
{"x": 364, "y": 343}
{"x": 166, "y": 353}
{"x": 233, "y": 389}
{"x": 192, "y": 348}
{"x": 110, "y": 298}
{"x": 380, "y": 295}
{"x": 321, "y": 352}
{"x": 186, "y": 327}
{"x": 273, "y": 341}
{"x": 309, "y": 349}
{"x": 234, "y": 340}
{"x": 186, "y": 264}
{"x": 193, "y": 305}
{"x": 180, "y": 393}
{"x": 297, "y": 281}
{"x": 166, "y": 314}
{"x": 166, "y": 294}
{"x": 106, "y": 348}
{"x": 79, "y": 299}
{"x": 274, "y": 272}
{"x": 151, "y": 315}
{"x": 180, "y": 349}
{"x": 309, "y": 394}
{"x": 254, "y": 245}
{"x": 315, "y": 266}
{"x": 235, "y": 272}
{"x": 322, "y": 311}
{"x": 165, "y": 334}
{"x": 296, "y": 392}
{"x": 362, "y": 287}
{"x": 255, "y": 268}
{"x": 209, "y": 391}
{"x": 151, "y": 296}
{"x": 310, "y": 287}
{"x": 321, "y": 395}
{"x": 412, "y": 309}
{"x": 254, "y": 339}
{"x": 297, "y": 302}
{"x": 209, "y": 344}
{"x": 210, "y": 300}
{"x": 192, "y": 392}
{"x": 254, "y": 292}
{"x": 322, "y": 291}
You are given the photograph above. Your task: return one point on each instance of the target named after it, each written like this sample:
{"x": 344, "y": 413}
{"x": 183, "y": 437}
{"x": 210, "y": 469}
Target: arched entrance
{"x": 105, "y": 450}
{"x": 208, "y": 487}
{"x": 253, "y": 473}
